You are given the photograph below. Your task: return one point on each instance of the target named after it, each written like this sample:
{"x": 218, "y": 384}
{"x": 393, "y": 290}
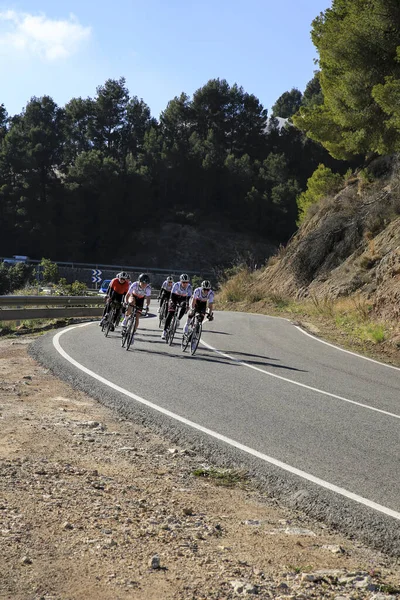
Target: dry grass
{"x": 349, "y": 321}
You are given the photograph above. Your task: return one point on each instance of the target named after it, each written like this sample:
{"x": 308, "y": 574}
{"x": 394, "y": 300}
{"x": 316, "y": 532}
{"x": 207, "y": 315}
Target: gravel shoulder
{"x": 95, "y": 506}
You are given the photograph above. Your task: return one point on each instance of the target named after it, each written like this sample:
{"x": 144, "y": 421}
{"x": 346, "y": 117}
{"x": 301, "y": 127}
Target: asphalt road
{"x": 318, "y": 425}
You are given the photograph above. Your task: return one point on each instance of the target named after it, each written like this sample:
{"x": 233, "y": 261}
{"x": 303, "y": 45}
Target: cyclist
{"x": 137, "y": 292}
{"x": 116, "y": 291}
{"x": 165, "y": 292}
{"x": 180, "y": 293}
{"x": 203, "y": 298}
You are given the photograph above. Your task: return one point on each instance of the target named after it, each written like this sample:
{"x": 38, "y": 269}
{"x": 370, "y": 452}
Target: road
{"x": 318, "y": 425}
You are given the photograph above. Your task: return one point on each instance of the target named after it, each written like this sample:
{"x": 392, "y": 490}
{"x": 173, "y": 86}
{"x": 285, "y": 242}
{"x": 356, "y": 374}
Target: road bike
{"x": 128, "y": 332}
{"x": 170, "y": 333}
{"x": 163, "y": 314}
{"x": 193, "y": 334}
{"x": 109, "y": 319}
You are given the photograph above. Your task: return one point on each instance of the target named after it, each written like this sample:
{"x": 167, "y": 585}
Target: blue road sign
{"x": 96, "y": 279}
{"x": 96, "y": 273}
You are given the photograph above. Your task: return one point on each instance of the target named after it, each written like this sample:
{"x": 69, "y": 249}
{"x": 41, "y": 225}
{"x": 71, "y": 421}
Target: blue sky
{"x": 162, "y": 47}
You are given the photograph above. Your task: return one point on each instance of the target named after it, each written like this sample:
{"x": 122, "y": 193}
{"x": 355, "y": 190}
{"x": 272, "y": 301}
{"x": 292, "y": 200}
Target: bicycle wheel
{"x": 130, "y": 336}
{"x": 186, "y": 339}
{"x": 196, "y": 335}
{"x": 130, "y": 330}
{"x": 172, "y": 328}
{"x": 110, "y": 321}
{"x": 125, "y": 334}
{"x": 163, "y": 314}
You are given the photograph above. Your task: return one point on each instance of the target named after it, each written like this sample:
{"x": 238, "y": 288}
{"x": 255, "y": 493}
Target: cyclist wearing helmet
{"x": 116, "y": 291}
{"x": 202, "y": 298}
{"x": 180, "y": 293}
{"x": 165, "y": 292}
{"x": 137, "y": 292}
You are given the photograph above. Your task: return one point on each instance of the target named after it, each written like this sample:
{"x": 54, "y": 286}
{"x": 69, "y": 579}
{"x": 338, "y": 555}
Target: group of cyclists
{"x": 127, "y": 295}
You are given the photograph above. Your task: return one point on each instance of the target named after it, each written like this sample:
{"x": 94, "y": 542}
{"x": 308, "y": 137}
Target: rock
{"x": 299, "y": 531}
{"x": 154, "y": 562}
{"x": 243, "y": 588}
{"x": 25, "y": 560}
{"x": 334, "y": 548}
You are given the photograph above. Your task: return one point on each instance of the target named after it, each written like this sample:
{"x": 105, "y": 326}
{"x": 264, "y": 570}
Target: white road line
{"x": 273, "y": 461}
{"x": 303, "y": 385}
{"x": 347, "y": 351}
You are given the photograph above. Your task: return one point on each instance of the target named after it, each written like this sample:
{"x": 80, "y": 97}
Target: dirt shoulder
{"x": 95, "y": 506}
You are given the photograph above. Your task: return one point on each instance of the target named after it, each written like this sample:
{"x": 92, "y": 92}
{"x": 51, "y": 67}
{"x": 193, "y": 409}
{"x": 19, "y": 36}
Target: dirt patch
{"x": 93, "y": 506}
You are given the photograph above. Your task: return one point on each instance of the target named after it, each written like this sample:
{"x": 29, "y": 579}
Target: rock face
{"x": 349, "y": 247}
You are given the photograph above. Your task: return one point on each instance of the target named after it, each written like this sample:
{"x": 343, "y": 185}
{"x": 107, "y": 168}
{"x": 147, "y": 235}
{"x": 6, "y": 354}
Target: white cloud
{"x": 49, "y": 39}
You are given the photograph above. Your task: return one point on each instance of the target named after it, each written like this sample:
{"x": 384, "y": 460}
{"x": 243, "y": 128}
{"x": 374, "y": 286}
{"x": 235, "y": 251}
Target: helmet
{"x": 143, "y": 278}
{"x": 123, "y": 275}
{"x": 206, "y": 285}
{"x": 184, "y": 277}
{"x": 170, "y": 279}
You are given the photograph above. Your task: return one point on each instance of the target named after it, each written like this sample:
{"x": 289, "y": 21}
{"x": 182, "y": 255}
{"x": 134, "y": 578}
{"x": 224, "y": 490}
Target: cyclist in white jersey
{"x": 135, "y": 296}
{"x": 203, "y": 298}
{"x": 165, "y": 292}
{"x": 180, "y": 294}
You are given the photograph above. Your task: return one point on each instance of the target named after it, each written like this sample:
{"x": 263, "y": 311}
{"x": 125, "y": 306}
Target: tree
{"x": 313, "y": 95}
{"x": 3, "y": 121}
{"x": 358, "y": 44}
{"x": 287, "y": 104}
{"x": 79, "y": 117}
{"x": 108, "y": 126}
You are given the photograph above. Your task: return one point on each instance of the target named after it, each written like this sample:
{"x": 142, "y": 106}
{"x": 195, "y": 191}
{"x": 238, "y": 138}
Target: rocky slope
{"x": 350, "y": 246}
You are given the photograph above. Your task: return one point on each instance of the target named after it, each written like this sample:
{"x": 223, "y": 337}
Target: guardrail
{"x": 13, "y": 308}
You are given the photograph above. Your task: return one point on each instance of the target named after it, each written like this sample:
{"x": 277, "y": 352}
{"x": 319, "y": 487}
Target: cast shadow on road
{"x": 205, "y": 354}
{"x": 182, "y": 355}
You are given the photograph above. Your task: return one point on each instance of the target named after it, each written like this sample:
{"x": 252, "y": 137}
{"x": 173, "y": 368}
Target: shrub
{"x": 13, "y": 277}
{"x": 323, "y": 182}
{"x": 49, "y": 271}
{"x": 74, "y": 289}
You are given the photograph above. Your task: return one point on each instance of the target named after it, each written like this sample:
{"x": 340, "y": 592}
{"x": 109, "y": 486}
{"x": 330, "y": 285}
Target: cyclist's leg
{"x": 189, "y": 319}
{"x": 128, "y": 310}
{"x": 117, "y": 314}
{"x": 171, "y": 312}
{"x": 182, "y": 311}
{"x": 139, "y": 307}
{"x": 105, "y": 311}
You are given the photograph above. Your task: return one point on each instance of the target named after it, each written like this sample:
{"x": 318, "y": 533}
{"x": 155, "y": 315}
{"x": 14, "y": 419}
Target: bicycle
{"x": 163, "y": 314}
{"x": 193, "y": 334}
{"x": 170, "y": 333}
{"x": 128, "y": 332}
{"x": 110, "y": 318}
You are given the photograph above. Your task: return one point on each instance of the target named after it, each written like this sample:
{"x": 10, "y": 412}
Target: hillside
{"x": 346, "y": 251}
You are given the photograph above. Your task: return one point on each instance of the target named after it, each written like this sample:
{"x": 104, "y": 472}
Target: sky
{"x": 66, "y": 49}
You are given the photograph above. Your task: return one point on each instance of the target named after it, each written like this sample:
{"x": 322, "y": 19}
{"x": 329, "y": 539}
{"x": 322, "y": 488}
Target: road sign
{"x": 96, "y": 273}
{"x": 96, "y": 279}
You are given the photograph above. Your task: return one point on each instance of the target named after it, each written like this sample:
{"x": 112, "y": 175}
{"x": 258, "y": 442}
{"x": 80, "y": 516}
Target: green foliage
{"x": 322, "y": 183}
{"x": 358, "y": 46}
{"x": 288, "y": 104}
{"x": 224, "y": 477}
{"x": 49, "y": 271}
{"x": 69, "y": 176}
{"x": 14, "y": 277}
{"x": 196, "y": 281}
{"x": 77, "y": 288}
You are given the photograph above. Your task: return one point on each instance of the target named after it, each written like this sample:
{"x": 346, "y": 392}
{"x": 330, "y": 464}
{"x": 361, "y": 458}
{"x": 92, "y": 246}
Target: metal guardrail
{"x": 49, "y": 307}
{"x": 13, "y": 308}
